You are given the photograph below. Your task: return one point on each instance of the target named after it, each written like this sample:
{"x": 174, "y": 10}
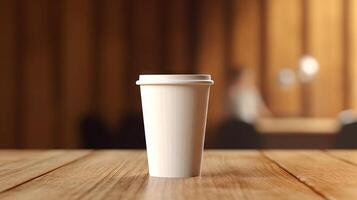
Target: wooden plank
{"x": 37, "y": 77}
{"x": 77, "y": 80}
{"x": 283, "y": 51}
{"x": 210, "y": 57}
{"x": 232, "y": 175}
{"x": 246, "y": 35}
{"x": 112, "y": 64}
{"x": 330, "y": 177}
{"x": 253, "y": 174}
{"x": 352, "y": 51}
{"x": 13, "y": 155}
{"x": 346, "y": 155}
{"x": 90, "y": 177}
{"x": 20, "y": 171}
{"x": 7, "y": 73}
{"x": 123, "y": 174}
{"x": 325, "y": 43}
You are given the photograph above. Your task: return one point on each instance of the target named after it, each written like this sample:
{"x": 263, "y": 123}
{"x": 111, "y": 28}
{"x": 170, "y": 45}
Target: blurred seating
{"x": 235, "y": 134}
{"x": 128, "y": 135}
{"x": 347, "y": 137}
{"x": 94, "y": 133}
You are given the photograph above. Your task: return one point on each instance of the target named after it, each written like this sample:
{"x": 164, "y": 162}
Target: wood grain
{"x": 345, "y": 155}
{"x": 351, "y": 38}
{"x": 7, "y": 74}
{"x": 37, "y": 73}
{"x": 19, "y": 171}
{"x": 328, "y": 176}
{"x": 210, "y": 54}
{"x": 77, "y": 68}
{"x": 145, "y": 46}
{"x": 324, "y": 42}
{"x": 246, "y": 36}
{"x": 123, "y": 175}
{"x": 177, "y": 44}
{"x": 283, "y": 51}
{"x": 9, "y": 155}
{"x": 91, "y": 177}
{"x": 111, "y": 69}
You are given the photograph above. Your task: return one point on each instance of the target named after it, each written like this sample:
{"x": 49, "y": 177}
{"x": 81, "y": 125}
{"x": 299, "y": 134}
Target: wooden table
{"x": 115, "y": 174}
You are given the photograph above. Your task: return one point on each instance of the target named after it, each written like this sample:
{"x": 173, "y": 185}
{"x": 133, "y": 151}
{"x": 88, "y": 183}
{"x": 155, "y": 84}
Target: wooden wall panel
{"x": 55, "y": 71}
{"x": 7, "y": 73}
{"x": 112, "y": 79}
{"x": 352, "y": 52}
{"x": 146, "y": 24}
{"x": 246, "y": 35}
{"x": 177, "y": 44}
{"x": 210, "y": 57}
{"x": 37, "y": 76}
{"x": 77, "y": 79}
{"x": 324, "y": 41}
{"x": 145, "y": 45}
{"x": 283, "y": 50}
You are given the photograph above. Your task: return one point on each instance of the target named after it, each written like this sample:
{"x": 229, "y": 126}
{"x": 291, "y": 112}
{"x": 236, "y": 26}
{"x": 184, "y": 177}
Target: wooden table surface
{"x": 233, "y": 174}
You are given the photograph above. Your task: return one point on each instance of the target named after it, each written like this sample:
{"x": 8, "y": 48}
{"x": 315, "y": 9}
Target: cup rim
{"x": 159, "y": 79}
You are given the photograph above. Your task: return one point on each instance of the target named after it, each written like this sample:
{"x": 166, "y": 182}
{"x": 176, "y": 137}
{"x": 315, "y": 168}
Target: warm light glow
{"x": 308, "y": 68}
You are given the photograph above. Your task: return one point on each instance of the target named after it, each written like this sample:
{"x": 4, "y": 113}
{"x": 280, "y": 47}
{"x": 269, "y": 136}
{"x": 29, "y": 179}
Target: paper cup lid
{"x": 154, "y": 79}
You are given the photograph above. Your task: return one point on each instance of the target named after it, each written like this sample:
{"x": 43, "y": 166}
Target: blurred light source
{"x": 286, "y": 78}
{"x": 308, "y": 68}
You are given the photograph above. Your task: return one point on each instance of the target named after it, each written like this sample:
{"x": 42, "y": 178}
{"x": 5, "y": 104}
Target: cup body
{"x": 175, "y": 116}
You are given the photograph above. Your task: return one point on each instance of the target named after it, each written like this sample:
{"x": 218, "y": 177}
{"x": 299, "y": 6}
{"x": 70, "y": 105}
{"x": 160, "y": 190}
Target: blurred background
{"x": 285, "y": 72}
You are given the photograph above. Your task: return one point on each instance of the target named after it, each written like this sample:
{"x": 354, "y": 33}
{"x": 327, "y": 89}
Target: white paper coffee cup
{"x": 175, "y": 113}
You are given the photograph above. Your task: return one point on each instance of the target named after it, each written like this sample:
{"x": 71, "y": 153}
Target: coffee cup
{"x": 175, "y": 114}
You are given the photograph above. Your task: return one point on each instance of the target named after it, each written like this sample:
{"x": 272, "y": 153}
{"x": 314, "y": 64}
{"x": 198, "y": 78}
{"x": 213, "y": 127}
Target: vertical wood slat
{"x": 305, "y": 87}
{"x": 7, "y": 73}
{"x": 324, "y": 41}
{"x": 283, "y": 51}
{"x": 145, "y": 45}
{"x": 55, "y": 8}
{"x": 346, "y": 78}
{"x": 37, "y": 72}
{"x": 210, "y": 57}
{"x": 112, "y": 67}
{"x": 177, "y": 40}
{"x": 246, "y": 35}
{"x": 77, "y": 70}
{"x": 352, "y": 51}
